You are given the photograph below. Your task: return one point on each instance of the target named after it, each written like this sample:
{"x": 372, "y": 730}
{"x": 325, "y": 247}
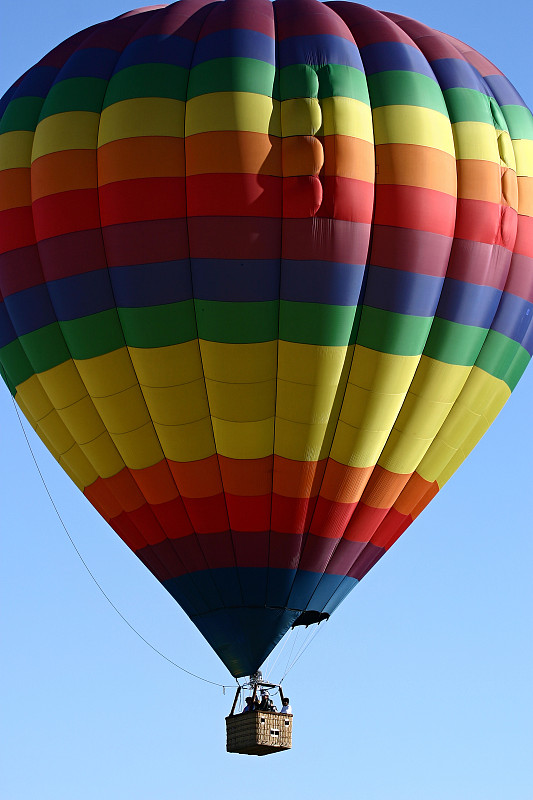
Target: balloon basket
{"x": 258, "y": 733}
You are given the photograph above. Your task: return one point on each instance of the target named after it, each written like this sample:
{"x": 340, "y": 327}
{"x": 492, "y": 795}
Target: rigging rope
{"x": 224, "y": 686}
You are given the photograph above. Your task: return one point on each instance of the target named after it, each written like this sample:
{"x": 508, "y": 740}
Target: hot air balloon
{"x": 266, "y": 279}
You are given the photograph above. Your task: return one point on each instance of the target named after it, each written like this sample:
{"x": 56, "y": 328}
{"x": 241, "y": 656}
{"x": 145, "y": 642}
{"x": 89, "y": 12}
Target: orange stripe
{"x": 233, "y": 151}
{"x": 415, "y": 165}
{"x": 15, "y": 188}
{"x": 62, "y": 172}
{"x": 141, "y": 157}
{"x": 297, "y": 479}
{"x": 250, "y": 478}
{"x": 343, "y": 484}
{"x": 197, "y": 478}
{"x": 349, "y": 157}
{"x": 384, "y": 488}
{"x": 416, "y": 495}
{"x": 156, "y": 483}
{"x": 480, "y": 180}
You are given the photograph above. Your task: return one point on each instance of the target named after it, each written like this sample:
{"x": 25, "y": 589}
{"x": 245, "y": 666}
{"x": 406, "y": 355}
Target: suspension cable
{"x": 224, "y": 686}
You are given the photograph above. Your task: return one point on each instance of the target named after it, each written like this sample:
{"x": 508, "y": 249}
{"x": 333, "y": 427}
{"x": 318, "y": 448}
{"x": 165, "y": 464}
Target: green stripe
{"x": 232, "y": 75}
{"x": 399, "y": 87}
{"x": 504, "y": 358}
{"x": 317, "y": 323}
{"x": 237, "y": 323}
{"x": 519, "y": 121}
{"x": 15, "y": 366}
{"x": 21, "y": 114}
{"x": 75, "y": 94}
{"x": 454, "y": 343}
{"x": 93, "y": 335}
{"x": 390, "y": 332}
{"x": 468, "y": 105}
{"x": 42, "y": 349}
{"x": 330, "y": 80}
{"x": 159, "y": 326}
{"x": 147, "y": 80}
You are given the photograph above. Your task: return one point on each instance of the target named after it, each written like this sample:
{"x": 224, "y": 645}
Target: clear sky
{"x": 418, "y": 688}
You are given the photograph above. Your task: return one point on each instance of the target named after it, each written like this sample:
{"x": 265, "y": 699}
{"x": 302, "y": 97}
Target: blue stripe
{"x": 455, "y": 73}
{"x": 344, "y": 588}
{"x": 504, "y": 91}
{"x": 319, "y": 50}
{"x": 330, "y": 282}
{"x": 81, "y": 295}
{"x": 468, "y": 303}
{"x": 36, "y": 83}
{"x": 158, "y": 49}
{"x": 151, "y": 284}
{"x": 232, "y": 280}
{"x": 514, "y": 318}
{"x": 91, "y": 62}
{"x": 30, "y": 309}
{"x": 235, "y": 43}
{"x": 7, "y": 333}
{"x": 384, "y": 56}
{"x": 402, "y": 292}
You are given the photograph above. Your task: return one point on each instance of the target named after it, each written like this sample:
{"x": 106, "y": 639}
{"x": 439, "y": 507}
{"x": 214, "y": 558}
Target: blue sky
{"x": 418, "y": 687}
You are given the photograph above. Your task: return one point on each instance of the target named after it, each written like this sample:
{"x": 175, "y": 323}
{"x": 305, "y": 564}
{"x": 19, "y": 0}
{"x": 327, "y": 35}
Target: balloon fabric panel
{"x": 266, "y": 279}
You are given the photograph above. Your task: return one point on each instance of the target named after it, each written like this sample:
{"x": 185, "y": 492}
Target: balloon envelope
{"x": 266, "y": 278}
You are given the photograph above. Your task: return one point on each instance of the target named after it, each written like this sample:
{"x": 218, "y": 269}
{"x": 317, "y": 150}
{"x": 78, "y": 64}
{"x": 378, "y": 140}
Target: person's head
{"x": 249, "y": 700}
{"x": 285, "y": 701}
{"x": 264, "y": 692}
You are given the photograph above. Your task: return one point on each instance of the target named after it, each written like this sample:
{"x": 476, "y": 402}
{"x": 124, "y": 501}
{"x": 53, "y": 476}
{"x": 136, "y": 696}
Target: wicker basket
{"x": 258, "y": 733}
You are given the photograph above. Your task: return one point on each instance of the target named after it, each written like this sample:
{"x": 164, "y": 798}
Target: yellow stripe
{"x": 356, "y": 447}
{"x": 413, "y": 125}
{"x": 78, "y": 468}
{"x": 312, "y": 364}
{"x": 70, "y": 130}
{"x": 15, "y": 149}
{"x": 384, "y": 373}
{"x": 190, "y": 442}
{"x": 107, "y": 374}
{"x": 523, "y": 150}
{"x": 347, "y": 117}
{"x": 123, "y": 412}
{"x": 177, "y": 405}
{"x": 244, "y": 439}
{"x": 142, "y": 116}
{"x": 31, "y": 394}
{"x": 300, "y": 116}
{"x": 476, "y": 140}
{"x": 157, "y": 366}
{"x": 245, "y": 402}
{"x": 302, "y": 442}
{"x": 239, "y": 363}
{"x": 103, "y": 455}
{"x": 82, "y": 420}
{"x": 139, "y": 448}
{"x": 233, "y": 111}
{"x": 477, "y": 405}
{"x": 63, "y": 384}
{"x": 306, "y": 404}
{"x": 55, "y": 430}
{"x": 505, "y": 149}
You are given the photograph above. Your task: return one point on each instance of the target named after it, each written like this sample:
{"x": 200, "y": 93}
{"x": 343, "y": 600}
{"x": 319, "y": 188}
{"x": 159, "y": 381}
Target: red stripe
{"x": 16, "y": 228}
{"x": 142, "y": 199}
{"x": 65, "y": 212}
{"x": 346, "y": 198}
{"x": 247, "y": 513}
{"x": 416, "y": 208}
{"x": 331, "y": 518}
{"x": 234, "y": 194}
{"x": 481, "y": 221}
{"x": 207, "y": 514}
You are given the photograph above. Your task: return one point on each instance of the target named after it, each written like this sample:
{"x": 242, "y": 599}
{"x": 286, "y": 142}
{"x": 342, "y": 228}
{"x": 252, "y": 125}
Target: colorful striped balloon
{"x": 266, "y": 277}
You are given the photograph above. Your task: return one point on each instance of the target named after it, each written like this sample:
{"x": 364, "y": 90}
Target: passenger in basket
{"x": 286, "y": 707}
{"x": 249, "y": 705}
{"x": 266, "y": 703}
